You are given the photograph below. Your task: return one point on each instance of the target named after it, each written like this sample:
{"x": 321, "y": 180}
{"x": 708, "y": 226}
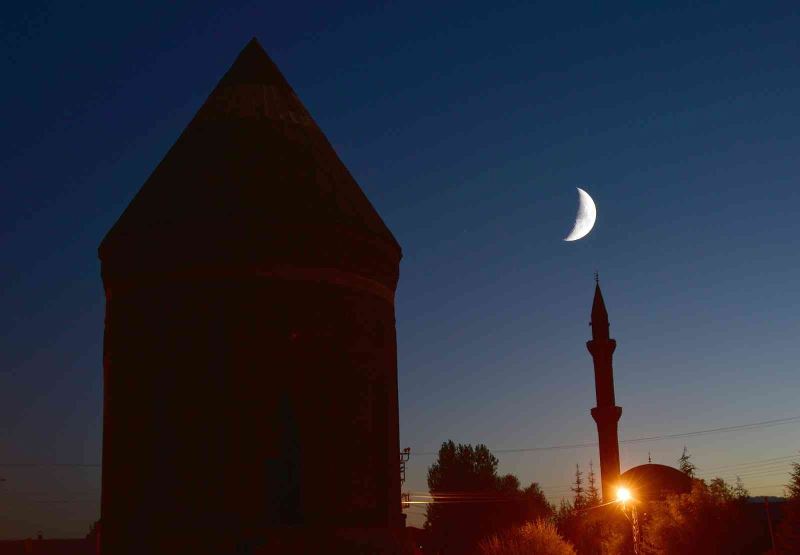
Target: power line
{"x": 741, "y": 427}
{"x": 723, "y": 429}
{"x": 749, "y": 470}
{"x": 49, "y": 465}
{"x": 758, "y": 462}
{"x": 60, "y": 501}
{"x": 746, "y": 472}
{"x": 754, "y": 474}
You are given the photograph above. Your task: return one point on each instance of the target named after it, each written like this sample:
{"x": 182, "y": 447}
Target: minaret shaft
{"x": 606, "y": 414}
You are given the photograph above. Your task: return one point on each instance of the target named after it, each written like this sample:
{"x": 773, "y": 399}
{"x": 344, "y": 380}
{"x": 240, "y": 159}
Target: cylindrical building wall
{"x": 237, "y": 406}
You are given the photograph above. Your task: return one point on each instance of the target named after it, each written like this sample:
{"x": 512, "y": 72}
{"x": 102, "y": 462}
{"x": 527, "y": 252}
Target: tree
{"x": 533, "y": 538}
{"x": 508, "y": 484}
{"x": 685, "y": 464}
{"x": 564, "y": 515}
{"x": 788, "y": 533}
{"x": 461, "y": 476}
{"x": 709, "y": 520}
{"x": 593, "y": 496}
{"x": 601, "y": 530}
{"x": 739, "y": 491}
{"x": 515, "y": 506}
{"x": 720, "y": 489}
{"x": 535, "y": 505}
{"x": 580, "y": 499}
{"x": 793, "y": 487}
{"x": 472, "y": 502}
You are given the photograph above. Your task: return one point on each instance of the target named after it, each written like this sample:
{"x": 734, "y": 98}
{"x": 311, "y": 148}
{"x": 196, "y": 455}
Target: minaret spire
{"x": 606, "y": 414}
{"x": 599, "y": 315}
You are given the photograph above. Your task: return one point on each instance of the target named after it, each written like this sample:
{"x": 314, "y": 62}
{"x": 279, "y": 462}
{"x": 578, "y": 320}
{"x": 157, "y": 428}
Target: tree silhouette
{"x": 458, "y": 480}
{"x": 592, "y": 495}
{"x": 593, "y": 530}
{"x": 739, "y": 491}
{"x": 601, "y": 530}
{"x": 580, "y": 498}
{"x": 788, "y": 536}
{"x": 685, "y": 465}
{"x": 793, "y": 487}
{"x": 534, "y": 504}
{"x": 471, "y": 501}
{"x": 712, "y": 519}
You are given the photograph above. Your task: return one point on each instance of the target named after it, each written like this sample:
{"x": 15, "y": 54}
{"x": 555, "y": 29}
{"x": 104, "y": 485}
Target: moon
{"x": 584, "y": 221}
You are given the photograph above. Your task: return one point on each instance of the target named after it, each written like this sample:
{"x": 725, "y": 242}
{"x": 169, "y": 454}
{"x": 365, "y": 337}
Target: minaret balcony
{"x": 604, "y": 415}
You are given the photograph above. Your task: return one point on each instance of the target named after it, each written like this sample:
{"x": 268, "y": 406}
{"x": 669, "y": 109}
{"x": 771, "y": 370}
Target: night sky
{"x": 469, "y": 127}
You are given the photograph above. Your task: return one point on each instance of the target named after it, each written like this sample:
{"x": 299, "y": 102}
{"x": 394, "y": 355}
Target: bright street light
{"x": 623, "y": 496}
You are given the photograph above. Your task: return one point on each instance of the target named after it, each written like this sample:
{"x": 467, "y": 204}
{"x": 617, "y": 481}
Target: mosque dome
{"x": 652, "y": 482}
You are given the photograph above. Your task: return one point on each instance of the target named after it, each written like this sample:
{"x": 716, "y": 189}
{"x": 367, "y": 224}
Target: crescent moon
{"x": 587, "y": 215}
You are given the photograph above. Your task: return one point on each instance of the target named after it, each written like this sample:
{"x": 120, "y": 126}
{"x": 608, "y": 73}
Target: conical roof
{"x": 599, "y": 313}
{"x": 599, "y": 320}
{"x": 252, "y": 177}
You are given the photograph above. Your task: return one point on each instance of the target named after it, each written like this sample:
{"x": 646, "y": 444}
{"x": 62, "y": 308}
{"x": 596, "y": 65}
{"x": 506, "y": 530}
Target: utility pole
{"x": 405, "y": 498}
{"x": 635, "y": 532}
{"x": 623, "y": 497}
{"x": 769, "y": 523}
{"x": 637, "y": 537}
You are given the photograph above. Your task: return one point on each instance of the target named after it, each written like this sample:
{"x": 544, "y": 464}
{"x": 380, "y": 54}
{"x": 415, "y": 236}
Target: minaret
{"x": 250, "y": 363}
{"x": 606, "y": 414}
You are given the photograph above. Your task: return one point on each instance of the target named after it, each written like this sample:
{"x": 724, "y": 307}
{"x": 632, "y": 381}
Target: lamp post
{"x": 623, "y": 498}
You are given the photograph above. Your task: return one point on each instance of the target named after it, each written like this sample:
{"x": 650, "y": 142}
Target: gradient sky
{"x": 469, "y": 127}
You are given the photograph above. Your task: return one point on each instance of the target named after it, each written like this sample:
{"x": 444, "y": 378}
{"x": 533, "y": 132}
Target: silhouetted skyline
{"x": 468, "y": 127}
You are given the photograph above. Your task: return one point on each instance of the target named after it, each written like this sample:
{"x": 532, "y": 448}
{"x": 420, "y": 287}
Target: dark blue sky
{"x": 469, "y": 127}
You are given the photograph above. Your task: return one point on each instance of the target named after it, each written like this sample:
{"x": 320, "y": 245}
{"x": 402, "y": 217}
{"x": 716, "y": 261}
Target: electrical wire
{"x": 723, "y": 429}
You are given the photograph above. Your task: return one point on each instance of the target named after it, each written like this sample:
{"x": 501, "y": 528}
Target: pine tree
{"x": 578, "y": 490}
{"x": 685, "y": 464}
{"x": 793, "y": 487}
{"x": 739, "y": 491}
{"x": 788, "y": 535}
{"x": 593, "y": 497}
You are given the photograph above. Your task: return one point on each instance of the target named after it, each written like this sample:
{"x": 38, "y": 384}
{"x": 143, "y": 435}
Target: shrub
{"x": 534, "y": 538}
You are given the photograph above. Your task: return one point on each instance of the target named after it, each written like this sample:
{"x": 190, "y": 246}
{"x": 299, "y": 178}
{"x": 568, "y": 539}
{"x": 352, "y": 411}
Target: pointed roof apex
{"x": 252, "y": 179}
{"x": 599, "y": 313}
{"x": 254, "y": 66}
